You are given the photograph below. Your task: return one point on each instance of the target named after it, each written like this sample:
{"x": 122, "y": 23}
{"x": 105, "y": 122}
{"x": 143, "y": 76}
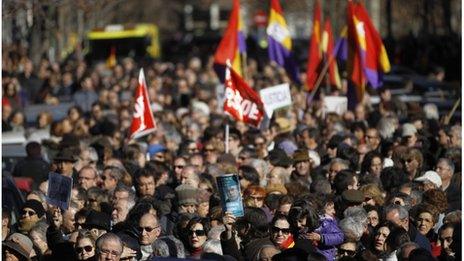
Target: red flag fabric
{"x": 232, "y": 44}
{"x": 241, "y": 101}
{"x": 328, "y": 49}
{"x": 143, "y": 121}
{"x": 314, "y": 54}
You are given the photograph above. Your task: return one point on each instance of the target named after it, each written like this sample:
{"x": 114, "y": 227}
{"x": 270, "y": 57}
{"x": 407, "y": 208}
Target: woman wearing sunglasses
{"x": 85, "y": 246}
{"x": 197, "y": 234}
{"x": 281, "y": 234}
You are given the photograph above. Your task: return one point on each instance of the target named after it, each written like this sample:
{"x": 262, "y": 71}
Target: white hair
{"x": 431, "y": 111}
{"x": 352, "y": 229}
{"x": 213, "y": 246}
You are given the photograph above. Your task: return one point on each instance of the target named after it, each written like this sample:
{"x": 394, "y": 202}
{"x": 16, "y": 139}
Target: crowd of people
{"x": 379, "y": 182}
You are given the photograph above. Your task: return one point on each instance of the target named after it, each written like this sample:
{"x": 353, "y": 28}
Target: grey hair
{"x": 386, "y": 127}
{"x": 400, "y": 251}
{"x": 340, "y": 161}
{"x": 431, "y": 111}
{"x": 448, "y": 162}
{"x": 163, "y": 246}
{"x": 215, "y": 232}
{"x": 39, "y": 194}
{"x": 213, "y": 170}
{"x": 213, "y": 246}
{"x": 93, "y": 155}
{"x": 356, "y": 213}
{"x": 258, "y": 256}
{"x": 352, "y": 229}
{"x": 121, "y": 187}
{"x": 41, "y": 229}
{"x": 416, "y": 195}
{"x": 115, "y": 172}
{"x": 108, "y": 237}
{"x": 402, "y": 211}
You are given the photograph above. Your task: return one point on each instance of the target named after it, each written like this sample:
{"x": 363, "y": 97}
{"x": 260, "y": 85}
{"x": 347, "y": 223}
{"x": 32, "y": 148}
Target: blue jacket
{"x": 332, "y": 236}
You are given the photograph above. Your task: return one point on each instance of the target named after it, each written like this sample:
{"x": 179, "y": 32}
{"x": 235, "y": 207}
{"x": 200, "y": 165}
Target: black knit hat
{"x": 278, "y": 157}
{"x": 98, "y": 220}
{"x": 36, "y": 206}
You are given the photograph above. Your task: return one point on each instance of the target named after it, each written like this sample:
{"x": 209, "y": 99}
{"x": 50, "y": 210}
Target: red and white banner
{"x": 143, "y": 121}
{"x": 241, "y": 101}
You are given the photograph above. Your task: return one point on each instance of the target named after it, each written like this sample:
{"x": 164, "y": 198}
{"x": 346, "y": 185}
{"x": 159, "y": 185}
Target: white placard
{"x": 275, "y": 97}
{"x": 337, "y": 104}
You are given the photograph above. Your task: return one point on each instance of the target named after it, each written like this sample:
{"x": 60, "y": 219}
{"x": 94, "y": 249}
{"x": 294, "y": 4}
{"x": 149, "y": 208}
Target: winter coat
{"x": 331, "y": 236}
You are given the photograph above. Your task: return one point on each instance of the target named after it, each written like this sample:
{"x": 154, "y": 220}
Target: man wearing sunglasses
{"x": 149, "y": 231}
{"x": 31, "y": 213}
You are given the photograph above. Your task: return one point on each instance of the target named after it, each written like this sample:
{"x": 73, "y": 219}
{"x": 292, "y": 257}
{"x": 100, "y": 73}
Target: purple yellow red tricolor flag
{"x": 232, "y": 45}
{"x": 280, "y": 41}
{"x": 367, "y": 56}
{"x": 327, "y": 43}
{"x": 315, "y": 50}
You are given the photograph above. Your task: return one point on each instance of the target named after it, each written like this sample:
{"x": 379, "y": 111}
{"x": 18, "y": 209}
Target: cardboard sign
{"x": 275, "y": 97}
{"x": 337, "y": 104}
{"x": 229, "y": 191}
{"x": 59, "y": 190}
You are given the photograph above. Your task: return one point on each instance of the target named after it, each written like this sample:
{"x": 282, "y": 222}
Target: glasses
{"x": 346, "y": 252}
{"x": 179, "y": 166}
{"x": 257, "y": 198}
{"x": 108, "y": 252}
{"x": 278, "y": 229}
{"x": 198, "y": 232}
{"x": 86, "y": 248}
{"x": 367, "y": 199}
{"x": 209, "y": 150}
{"x": 148, "y": 229}
{"x": 28, "y": 212}
{"x": 409, "y": 160}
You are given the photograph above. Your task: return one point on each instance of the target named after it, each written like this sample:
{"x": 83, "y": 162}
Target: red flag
{"x": 327, "y": 43}
{"x": 143, "y": 121}
{"x": 241, "y": 101}
{"x": 374, "y": 58}
{"x": 232, "y": 44}
{"x": 314, "y": 54}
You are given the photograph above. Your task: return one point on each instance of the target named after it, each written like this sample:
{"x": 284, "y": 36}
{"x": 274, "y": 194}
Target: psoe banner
{"x": 275, "y": 97}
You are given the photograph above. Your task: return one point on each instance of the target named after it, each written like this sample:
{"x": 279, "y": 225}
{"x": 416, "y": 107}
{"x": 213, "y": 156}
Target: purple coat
{"x": 332, "y": 236}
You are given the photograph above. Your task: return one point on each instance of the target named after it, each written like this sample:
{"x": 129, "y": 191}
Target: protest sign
{"x": 275, "y": 97}
{"x": 229, "y": 191}
{"x": 59, "y": 190}
{"x": 335, "y": 104}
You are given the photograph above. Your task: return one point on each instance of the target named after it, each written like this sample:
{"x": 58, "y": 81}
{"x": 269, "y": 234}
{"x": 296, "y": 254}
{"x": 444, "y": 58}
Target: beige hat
{"x": 20, "y": 244}
{"x": 283, "y": 125}
{"x": 186, "y": 194}
{"x": 408, "y": 130}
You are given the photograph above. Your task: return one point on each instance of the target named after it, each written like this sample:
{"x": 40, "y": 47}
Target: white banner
{"x": 275, "y": 97}
{"x": 337, "y": 104}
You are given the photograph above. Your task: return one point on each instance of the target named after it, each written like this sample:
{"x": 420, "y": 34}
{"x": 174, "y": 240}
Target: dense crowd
{"x": 379, "y": 182}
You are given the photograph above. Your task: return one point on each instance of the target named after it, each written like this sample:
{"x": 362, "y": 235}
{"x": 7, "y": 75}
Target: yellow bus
{"x": 136, "y": 41}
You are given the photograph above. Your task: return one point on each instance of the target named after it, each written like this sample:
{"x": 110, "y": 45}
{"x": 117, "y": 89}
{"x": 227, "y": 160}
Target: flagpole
{"x": 447, "y": 118}
{"x": 244, "y": 66}
{"x": 227, "y": 138}
{"x": 320, "y": 77}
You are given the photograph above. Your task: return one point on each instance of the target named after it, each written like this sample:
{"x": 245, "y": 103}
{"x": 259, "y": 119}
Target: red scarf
{"x": 289, "y": 243}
